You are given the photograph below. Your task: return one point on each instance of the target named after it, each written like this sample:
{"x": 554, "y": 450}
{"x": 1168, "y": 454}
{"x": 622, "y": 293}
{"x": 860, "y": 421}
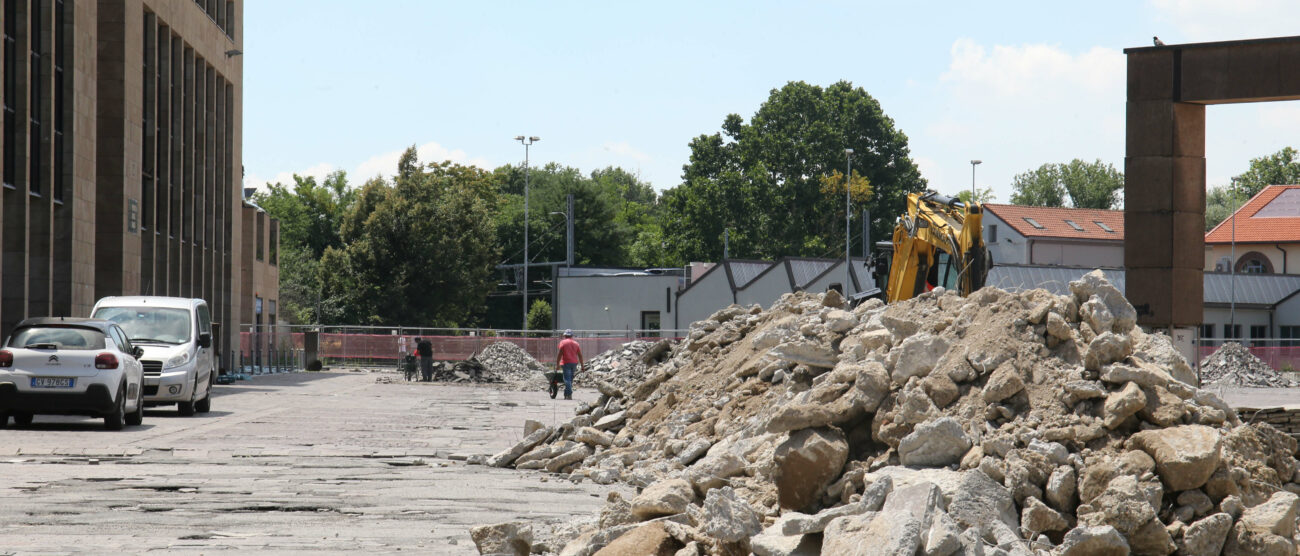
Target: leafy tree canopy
{"x": 1279, "y": 168}
{"x": 774, "y": 179}
{"x": 1086, "y": 185}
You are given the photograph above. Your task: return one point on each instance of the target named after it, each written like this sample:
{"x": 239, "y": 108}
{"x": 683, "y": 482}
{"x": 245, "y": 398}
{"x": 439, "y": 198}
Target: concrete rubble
{"x": 1234, "y": 365}
{"x": 998, "y": 424}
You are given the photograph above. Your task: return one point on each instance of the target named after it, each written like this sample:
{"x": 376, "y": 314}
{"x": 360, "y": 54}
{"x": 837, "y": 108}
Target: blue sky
{"x": 344, "y": 84}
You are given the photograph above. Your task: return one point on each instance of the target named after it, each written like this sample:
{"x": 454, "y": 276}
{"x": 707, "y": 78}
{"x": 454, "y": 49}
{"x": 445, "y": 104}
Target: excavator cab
{"x": 939, "y": 242}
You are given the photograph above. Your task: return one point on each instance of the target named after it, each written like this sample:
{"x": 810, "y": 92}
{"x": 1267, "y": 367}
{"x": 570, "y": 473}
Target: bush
{"x": 539, "y": 315}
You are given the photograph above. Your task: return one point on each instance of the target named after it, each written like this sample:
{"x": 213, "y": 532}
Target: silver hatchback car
{"x": 71, "y": 366}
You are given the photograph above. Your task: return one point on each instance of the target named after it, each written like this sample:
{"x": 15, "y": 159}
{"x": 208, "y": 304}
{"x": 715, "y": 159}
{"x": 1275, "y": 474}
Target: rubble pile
{"x": 624, "y": 366}
{"x": 509, "y": 363}
{"x": 1021, "y": 424}
{"x": 1234, "y": 365}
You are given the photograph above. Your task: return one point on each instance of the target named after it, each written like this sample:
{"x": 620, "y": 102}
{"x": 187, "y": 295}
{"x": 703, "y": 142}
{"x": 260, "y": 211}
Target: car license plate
{"x": 51, "y": 382}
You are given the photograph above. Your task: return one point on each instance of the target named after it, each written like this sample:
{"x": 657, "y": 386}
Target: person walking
{"x": 568, "y": 358}
{"x": 424, "y": 348}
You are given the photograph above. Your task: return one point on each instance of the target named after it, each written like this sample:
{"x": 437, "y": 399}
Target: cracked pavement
{"x": 292, "y": 463}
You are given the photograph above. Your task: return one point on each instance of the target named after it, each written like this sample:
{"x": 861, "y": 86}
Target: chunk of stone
{"x": 773, "y": 543}
{"x": 795, "y": 523}
{"x": 1277, "y": 515}
{"x": 812, "y": 354}
{"x": 1095, "y": 284}
{"x": 610, "y": 421}
{"x": 1122, "y": 404}
{"x": 978, "y": 502}
{"x": 1162, "y": 407}
{"x": 839, "y": 321}
{"x": 515, "y": 537}
{"x": 1055, "y": 452}
{"x": 694, "y": 451}
{"x": 666, "y": 497}
{"x": 1105, "y": 349}
{"x": 1102, "y": 540}
{"x": 872, "y": 340}
{"x": 1144, "y": 375}
{"x": 509, "y": 455}
{"x": 941, "y": 389}
{"x": 1185, "y": 456}
{"x": 1080, "y": 390}
{"x": 1003, "y": 383}
{"x": 651, "y": 539}
{"x": 917, "y": 356}
{"x": 1206, "y": 537}
{"x": 1036, "y": 517}
{"x": 568, "y": 458}
{"x": 728, "y": 518}
{"x": 937, "y": 443}
{"x": 805, "y": 463}
{"x": 1152, "y": 538}
{"x": 898, "y": 529}
{"x": 594, "y": 437}
{"x": 1123, "y": 505}
{"x": 1196, "y": 500}
{"x": 1057, "y": 327}
{"x": 1061, "y": 488}
{"x": 531, "y": 426}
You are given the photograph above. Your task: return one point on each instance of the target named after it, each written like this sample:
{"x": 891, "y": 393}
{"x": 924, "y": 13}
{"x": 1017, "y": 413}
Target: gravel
{"x": 1234, "y": 365}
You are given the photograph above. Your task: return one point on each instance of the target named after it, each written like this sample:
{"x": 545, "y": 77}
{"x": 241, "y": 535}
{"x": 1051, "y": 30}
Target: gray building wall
{"x": 706, "y": 295}
{"x": 614, "y": 302}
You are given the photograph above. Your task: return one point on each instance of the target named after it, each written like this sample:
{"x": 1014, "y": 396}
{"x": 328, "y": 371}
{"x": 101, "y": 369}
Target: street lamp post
{"x": 848, "y": 213}
{"x": 973, "y": 163}
{"x": 527, "y": 142}
{"x": 1232, "y": 265}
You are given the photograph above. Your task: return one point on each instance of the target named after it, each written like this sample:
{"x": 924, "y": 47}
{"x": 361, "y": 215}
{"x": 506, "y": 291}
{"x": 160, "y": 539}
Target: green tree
{"x": 420, "y": 249}
{"x": 982, "y": 195}
{"x": 1219, "y": 205}
{"x": 539, "y": 315}
{"x": 766, "y": 179}
{"x": 1087, "y": 185}
{"x": 310, "y": 216}
{"x": 1279, "y": 168}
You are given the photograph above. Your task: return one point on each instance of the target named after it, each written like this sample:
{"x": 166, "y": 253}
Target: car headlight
{"x": 178, "y": 360}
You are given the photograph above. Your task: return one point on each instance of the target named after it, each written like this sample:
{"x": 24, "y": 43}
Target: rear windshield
{"x": 145, "y": 325}
{"x": 57, "y": 337}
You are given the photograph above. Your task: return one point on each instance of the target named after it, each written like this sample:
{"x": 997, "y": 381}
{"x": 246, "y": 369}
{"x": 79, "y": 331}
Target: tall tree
{"x": 310, "y": 216}
{"x": 1095, "y": 185}
{"x": 766, "y": 180}
{"x": 1279, "y": 168}
{"x": 420, "y": 249}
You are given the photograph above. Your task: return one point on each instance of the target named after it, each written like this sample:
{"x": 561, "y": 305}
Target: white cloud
{"x": 319, "y": 171}
{"x": 386, "y": 164}
{"x": 1220, "y": 20}
{"x": 1032, "y": 104}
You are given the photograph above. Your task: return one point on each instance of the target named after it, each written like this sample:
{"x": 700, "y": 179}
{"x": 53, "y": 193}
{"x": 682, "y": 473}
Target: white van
{"x": 176, "y": 334}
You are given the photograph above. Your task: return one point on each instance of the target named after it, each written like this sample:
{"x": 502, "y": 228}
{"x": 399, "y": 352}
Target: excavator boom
{"x": 939, "y": 242}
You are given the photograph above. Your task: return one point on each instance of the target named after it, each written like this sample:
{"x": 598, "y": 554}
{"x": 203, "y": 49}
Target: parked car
{"x": 71, "y": 366}
{"x": 176, "y": 334}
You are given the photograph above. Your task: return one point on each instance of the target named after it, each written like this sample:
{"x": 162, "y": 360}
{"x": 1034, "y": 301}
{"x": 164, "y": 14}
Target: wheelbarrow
{"x": 408, "y": 367}
{"x": 555, "y": 379}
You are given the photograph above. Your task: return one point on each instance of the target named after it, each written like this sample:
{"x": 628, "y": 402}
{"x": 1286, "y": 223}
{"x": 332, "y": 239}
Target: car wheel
{"x": 205, "y": 405}
{"x": 4, "y": 420}
{"x": 136, "y": 418}
{"x": 117, "y": 419}
{"x": 186, "y": 409}
{"x": 22, "y": 419}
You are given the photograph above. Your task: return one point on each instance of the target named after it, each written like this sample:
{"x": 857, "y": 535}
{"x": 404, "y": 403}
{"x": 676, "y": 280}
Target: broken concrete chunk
{"x": 1102, "y": 540}
{"x": 1185, "y": 456}
{"x": 1123, "y": 404}
{"x": 937, "y": 443}
{"x": 666, "y": 497}
{"x": 805, "y": 463}
{"x": 515, "y": 537}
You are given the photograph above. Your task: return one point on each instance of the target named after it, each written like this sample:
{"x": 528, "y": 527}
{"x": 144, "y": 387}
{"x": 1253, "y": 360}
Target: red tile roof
{"x": 1053, "y": 222}
{"x": 1279, "y": 223}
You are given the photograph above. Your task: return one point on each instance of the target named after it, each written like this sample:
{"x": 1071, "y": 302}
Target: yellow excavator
{"x": 939, "y": 242}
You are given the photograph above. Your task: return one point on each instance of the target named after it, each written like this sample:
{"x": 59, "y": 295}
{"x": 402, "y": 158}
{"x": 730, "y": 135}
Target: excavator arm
{"x": 935, "y": 226}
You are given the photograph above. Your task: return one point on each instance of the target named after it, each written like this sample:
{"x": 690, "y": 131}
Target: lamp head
{"x": 519, "y": 138}
{"x": 534, "y": 138}
{"x": 848, "y": 151}
{"x": 974, "y": 162}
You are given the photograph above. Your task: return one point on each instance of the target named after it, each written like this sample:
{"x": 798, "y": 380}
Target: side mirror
{"x": 137, "y": 351}
{"x": 205, "y": 340}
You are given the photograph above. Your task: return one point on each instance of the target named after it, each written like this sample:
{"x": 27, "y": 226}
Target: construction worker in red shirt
{"x": 568, "y": 359}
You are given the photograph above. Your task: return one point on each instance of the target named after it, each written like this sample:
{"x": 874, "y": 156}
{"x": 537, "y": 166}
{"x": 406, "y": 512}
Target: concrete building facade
{"x": 122, "y": 163}
{"x": 1053, "y": 235}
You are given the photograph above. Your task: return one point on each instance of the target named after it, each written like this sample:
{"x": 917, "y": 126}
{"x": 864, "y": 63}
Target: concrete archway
{"x": 1164, "y": 164}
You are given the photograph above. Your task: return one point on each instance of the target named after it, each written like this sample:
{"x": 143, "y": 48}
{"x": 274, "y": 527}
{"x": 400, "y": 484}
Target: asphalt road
{"x": 331, "y": 462}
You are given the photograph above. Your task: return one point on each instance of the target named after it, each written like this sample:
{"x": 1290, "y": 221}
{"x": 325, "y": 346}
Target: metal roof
{"x": 1252, "y": 289}
{"x": 807, "y": 270}
{"x": 744, "y": 272}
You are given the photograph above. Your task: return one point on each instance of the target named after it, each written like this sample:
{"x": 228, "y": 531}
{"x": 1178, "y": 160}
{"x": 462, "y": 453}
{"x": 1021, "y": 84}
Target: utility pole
{"x": 527, "y": 142}
{"x": 848, "y": 218}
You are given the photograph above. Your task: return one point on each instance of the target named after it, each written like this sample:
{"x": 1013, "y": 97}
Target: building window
{"x": 1258, "y": 333}
{"x": 62, "y": 44}
{"x": 1254, "y": 262}
{"x": 275, "y": 243}
{"x": 1074, "y": 225}
{"x": 1290, "y": 335}
{"x": 649, "y": 322}
{"x": 260, "y": 235}
{"x": 34, "y": 107}
{"x": 993, "y": 233}
{"x": 1033, "y": 223}
{"x": 1207, "y": 331}
{"x": 10, "y": 91}
{"x": 1103, "y": 226}
{"x": 1232, "y": 331}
